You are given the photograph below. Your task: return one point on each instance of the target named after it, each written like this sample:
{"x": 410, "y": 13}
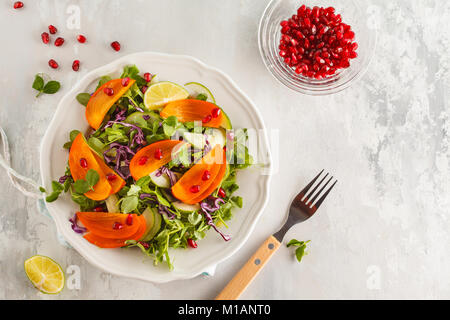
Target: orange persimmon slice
{"x": 117, "y": 183}
{"x": 81, "y": 159}
{"x": 144, "y": 161}
{"x": 215, "y": 163}
{"x": 103, "y": 224}
{"x": 189, "y": 110}
{"x": 100, "y": 103}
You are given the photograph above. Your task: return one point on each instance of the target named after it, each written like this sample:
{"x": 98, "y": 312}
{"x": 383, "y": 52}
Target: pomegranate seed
{"x": 216, "y": 112}
{"x": 59, "y": 42}
{"x": 125, "y": 81}
{"x": 148, "y": 77}
{"x": 81, "y": 38}
{"x": 98, "y": 209}
{"x": 45, "y": 37}
{"x": 18, "y": 4}
{"x": 144, "y": 88}
{"x": 83, "y": 163}
{"x": 195, "y": 189}
{"x": 111, "y": 177}
{"x": 115, "y": 45}
{"x": 108, "y": 91}
{"x": 52, "y": 63}
{"x": 207, "y": 119}
{"x": 142, "y": 160}
{"x": 221, "y": 193}
{"x": 158, "y": 154}
{"x": 117, "y": 226}
{"x": 144, "y": 244}
{"x": 206, "y": 175}
{"x": 192, "y": 243}
{"x": 130, "y": 219}
{"x": 316, "y": 43}
{"x": 76, "y": 65}
{"x": 52, "y": 29}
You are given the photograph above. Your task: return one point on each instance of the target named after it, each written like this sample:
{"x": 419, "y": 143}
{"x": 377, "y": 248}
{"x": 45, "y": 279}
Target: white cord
{"x": 14, "y": 177}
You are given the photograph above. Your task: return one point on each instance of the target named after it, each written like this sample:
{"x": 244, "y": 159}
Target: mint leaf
{"x": 51, "y": 87}
{"x": 83, "y": 98}
{"x": 38, "y": 83}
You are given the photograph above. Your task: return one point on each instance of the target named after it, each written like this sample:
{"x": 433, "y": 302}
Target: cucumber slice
{"x": 186, "y": 208}
{"x": 111, "y": 204}
{"x": 163, "y": 180}
{"x": 137, "y": 118}
{"x": 216, "y": 136}
{"x": 196, "y": 88}
{"x": 197, "y": 140}
{"x": 153, "y": 223}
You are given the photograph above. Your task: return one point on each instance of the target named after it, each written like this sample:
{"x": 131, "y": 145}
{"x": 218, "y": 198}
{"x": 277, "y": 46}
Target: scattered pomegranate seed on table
{"x": 81, "y": 38}
{"x": 115, "y": 45}
{"x": 76, "y": 66}
{"x": 18, "y": 4}
{"x": 109, "y": 91}
{"x": 316, "y": 43}
{"x": 45, "y": 37}
{"x": 59, "y": 42}
{"x": 53, "y": 64}
{"x": 192, "y": 243}
{"x": 52, "y": 29}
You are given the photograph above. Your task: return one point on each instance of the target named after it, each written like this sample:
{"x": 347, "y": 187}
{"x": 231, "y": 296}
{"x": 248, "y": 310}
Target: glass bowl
{"x": 269, "y": 40}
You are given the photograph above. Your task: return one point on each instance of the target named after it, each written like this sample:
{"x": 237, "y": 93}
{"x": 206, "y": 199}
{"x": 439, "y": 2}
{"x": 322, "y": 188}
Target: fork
{"x": 302, "y": 208}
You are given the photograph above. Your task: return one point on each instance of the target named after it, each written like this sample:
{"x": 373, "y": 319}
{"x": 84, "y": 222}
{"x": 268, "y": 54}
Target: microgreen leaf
{"x": 300, "y": 252}
{"x": 92, "y": 178}
{"x": 129, "y": 204}
{"x": 38, "y": 83}
{"x": 83, "y": 98}
{"x": 81, "y": 186}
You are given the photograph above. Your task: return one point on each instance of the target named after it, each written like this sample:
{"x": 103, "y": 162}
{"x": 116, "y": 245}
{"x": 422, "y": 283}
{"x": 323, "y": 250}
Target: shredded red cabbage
{"x": 135, "y": 105}
{"x": 207, "y": 209}
{"x": 172, "y": 177}
{"x": 164, "y": 210}
{"x": 122, "y": 159}
{"x": 63, "y": 179}
{"x": 75, "y": 226}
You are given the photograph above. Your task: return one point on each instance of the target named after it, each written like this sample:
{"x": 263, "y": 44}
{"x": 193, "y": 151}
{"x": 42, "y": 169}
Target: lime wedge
{"x": 196, "y": 88}
{"x": 45, "y": 274}
{"x": 161, "y": 93}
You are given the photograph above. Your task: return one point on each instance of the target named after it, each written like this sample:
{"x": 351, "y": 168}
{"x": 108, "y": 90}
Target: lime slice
{"x": 45, "y": 274}
{"x": 161, "y": 93}
{"x": 196, "y": 88}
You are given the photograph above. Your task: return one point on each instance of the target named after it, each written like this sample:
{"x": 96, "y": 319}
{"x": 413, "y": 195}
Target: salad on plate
{"x": 157, "y": 167}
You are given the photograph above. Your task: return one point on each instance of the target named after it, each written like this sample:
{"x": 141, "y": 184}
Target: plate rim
{"x": 170, "y": 275}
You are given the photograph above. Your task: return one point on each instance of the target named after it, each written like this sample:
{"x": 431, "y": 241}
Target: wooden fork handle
{"x": 244, "y": 277}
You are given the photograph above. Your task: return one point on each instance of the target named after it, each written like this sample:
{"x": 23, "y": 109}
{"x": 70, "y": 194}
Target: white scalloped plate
{"x": 254, "y": 186}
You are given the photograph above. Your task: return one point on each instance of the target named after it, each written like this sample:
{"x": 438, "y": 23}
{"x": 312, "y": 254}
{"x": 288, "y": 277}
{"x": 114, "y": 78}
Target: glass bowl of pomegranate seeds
{"x": 316, "y": 47}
